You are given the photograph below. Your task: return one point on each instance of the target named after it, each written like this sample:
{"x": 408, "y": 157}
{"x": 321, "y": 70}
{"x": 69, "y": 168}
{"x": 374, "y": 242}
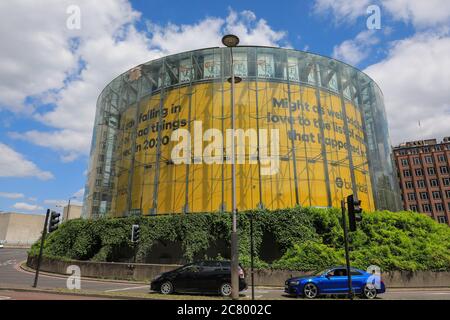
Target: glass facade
{"x": 330, "y": 119}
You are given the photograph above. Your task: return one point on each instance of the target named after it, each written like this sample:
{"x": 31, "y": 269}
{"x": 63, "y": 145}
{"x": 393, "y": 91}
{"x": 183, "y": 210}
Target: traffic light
{"x": 354, "y": 212}
{"x": 135, "y": 230}
{"x": 54, "y": 221}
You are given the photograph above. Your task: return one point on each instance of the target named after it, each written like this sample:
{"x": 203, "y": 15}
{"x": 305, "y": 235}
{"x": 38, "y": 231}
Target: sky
{"x": 57, "y": 56}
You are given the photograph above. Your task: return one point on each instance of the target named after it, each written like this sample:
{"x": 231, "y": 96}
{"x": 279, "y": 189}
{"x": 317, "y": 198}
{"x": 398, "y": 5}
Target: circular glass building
{"x": 310, "y": 130}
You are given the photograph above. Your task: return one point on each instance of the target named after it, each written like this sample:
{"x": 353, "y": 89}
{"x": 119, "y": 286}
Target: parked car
{"x": 334, "y": 281}
{"x": 200, "y": 277}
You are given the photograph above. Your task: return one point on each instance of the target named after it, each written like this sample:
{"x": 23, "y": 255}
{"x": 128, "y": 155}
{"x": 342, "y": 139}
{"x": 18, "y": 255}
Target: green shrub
{"x": 307, "y": 238}
{"x": 309, "y": 256}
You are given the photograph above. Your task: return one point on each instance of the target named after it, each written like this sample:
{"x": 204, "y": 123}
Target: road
{"x": 12, "y": 276}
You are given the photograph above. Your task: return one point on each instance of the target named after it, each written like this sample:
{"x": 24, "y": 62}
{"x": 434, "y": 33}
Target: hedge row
{"x": 307, "y": 238}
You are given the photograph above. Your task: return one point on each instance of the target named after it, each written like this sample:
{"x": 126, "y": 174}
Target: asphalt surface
{"x": 22, "y": 295}
{"x": 12, "y": 276}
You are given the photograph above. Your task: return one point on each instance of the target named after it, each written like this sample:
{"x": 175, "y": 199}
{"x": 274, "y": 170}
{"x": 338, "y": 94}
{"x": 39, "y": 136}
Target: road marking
{"x": 439, "y": 293}
{"x": 124, "y": 289}
{"x": 4, "y": 298}
{"x": 424, "y": 292}
{"x": 256, "y": 297}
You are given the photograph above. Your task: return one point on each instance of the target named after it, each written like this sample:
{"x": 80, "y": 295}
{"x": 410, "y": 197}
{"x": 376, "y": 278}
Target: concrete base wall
{"x": 146, "y": 272}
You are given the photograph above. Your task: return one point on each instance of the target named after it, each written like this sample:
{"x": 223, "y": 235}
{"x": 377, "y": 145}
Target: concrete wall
{"x": 4, "y": 222}
{"x": 19, "y": 229}
{"x": 146, "y": 272}
{"x": 72, "y": 212}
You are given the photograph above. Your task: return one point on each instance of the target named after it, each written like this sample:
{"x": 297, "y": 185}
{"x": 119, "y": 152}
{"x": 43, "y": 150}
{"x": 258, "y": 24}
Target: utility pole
{"x": 251, "y": 256}
{"x": 44, "y": 232}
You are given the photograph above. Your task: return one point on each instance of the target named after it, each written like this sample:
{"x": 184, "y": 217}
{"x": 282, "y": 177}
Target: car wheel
{"x": 225, "y": 290}
{"x": 166, "y": 287}
{"x": 369, "y": 292}
{"x": 310, "y": 290}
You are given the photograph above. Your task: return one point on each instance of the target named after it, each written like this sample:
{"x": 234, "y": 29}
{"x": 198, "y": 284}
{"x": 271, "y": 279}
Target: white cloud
{"x": 355, "y": 50}
{"x": 13, "y": 164}
{"x": 27, "y": 207}
{"x": 421, "y": 13}
{"x": 11, "y": 195}
{"x": 415, "y": 80}
{"x": 79, "y": 193}
{"x": 342, "y": 9}
{"x": 55, "y": 202}
{"x": 70, "y": 143}
{"x": 42, "y": 59}
{"x": 61, "y": 202}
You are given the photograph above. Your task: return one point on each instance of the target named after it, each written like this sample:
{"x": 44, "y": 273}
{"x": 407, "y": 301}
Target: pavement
{"x": 16, "y": 283}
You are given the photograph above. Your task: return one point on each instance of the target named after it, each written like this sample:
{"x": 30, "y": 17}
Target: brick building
{"x": 423, "y": 169}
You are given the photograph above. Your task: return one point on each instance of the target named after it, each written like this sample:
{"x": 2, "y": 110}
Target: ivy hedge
{"x": 305, "y": 238}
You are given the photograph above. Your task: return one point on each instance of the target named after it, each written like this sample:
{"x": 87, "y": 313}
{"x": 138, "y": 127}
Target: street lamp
{"x": 68, "y": 208}
{"x": 231, "y": 41}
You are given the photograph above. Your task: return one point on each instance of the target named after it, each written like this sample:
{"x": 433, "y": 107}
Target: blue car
{"x": 334, "y": 281}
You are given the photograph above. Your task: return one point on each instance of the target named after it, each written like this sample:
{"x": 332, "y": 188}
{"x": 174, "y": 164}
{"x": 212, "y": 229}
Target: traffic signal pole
{"x": 135, "y": 236}
{"x": 347, "y": 257}
{"x": 44, "y": 232}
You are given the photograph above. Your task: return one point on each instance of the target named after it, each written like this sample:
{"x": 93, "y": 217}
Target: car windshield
{"x": 321, "y": 272}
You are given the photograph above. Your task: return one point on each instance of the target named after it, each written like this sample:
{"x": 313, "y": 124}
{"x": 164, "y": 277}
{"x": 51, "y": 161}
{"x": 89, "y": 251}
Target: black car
{"x": 199, "y": 277}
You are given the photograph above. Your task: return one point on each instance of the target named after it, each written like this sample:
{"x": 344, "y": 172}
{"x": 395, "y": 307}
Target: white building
{"x": 20, "y": 229}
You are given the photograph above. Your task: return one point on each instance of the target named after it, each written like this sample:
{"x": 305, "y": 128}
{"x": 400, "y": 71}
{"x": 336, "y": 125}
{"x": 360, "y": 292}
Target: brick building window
{"x": 409, "y": 184}
{"x": 446, "y": 182}
{"x": 431, "y": 171}
{"x": 434, "y": 183}
{"x": 428, "y": 159}
{"x": 436, "y": 195}
{"x": 406, "y": 173}
{"x": 419, "y": 172}
{"x": 439, "y": 207}
{"x": 413, "y": 207}
{"x": 426, "y": 207}
{"x": 444, "y": 170}
{"x": 404, "y": 162}
{"x": 416, "y": 160}
{"x": 411, "y": 196}
{"x": 442, "y": 219}
{"x": 420, "y": 184}
{"x": 441, "y": 158}
{"x": 424, "y": 195}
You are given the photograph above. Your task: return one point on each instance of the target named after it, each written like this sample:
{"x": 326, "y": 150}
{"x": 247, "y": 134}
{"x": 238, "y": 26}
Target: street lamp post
{"x": 232, "y": 41}
{"x": 68, "y": 207}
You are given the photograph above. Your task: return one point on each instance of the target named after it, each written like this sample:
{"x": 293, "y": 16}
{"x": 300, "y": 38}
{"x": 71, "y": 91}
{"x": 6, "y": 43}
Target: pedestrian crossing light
{"x": 135, "y": 233}
{"x": 354, "y": 212}
{"x": 54, "y": 221}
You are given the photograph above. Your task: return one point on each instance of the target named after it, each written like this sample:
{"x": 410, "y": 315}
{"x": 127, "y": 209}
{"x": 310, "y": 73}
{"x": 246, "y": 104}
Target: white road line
{"x": 124, "y": 289}
{"x": 439, "y": 293}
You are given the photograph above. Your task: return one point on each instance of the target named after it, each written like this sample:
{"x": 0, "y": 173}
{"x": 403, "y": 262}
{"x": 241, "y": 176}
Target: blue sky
{"x": 48, "y": 85}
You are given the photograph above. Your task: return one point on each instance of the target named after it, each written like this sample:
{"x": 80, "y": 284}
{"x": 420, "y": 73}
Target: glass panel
{"x": 266, "y": 65}
{"x": 211, "y": 66}
{"x": 240, "y": 64}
